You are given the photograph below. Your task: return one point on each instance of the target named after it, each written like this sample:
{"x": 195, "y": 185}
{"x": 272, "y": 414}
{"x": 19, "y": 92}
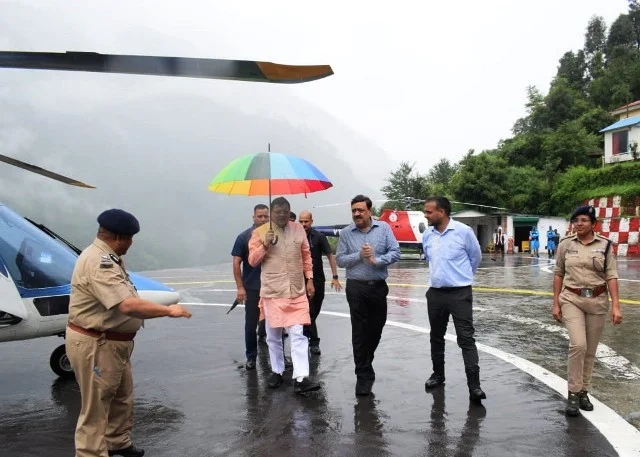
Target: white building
{"x": 516, "y": 227}
{"x": 621, "y": 137}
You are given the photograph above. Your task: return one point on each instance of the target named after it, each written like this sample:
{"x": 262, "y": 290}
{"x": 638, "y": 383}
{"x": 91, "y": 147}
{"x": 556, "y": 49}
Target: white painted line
{"x": 500, "y": 267}
{"x": 623, "y": 436}
{"x": 607, "y": 356}
{"x": 549, "y": 269}
{"x": 620, "y": 366}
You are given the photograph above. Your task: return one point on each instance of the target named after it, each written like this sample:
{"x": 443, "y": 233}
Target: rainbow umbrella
{"x": 268, "y": 173}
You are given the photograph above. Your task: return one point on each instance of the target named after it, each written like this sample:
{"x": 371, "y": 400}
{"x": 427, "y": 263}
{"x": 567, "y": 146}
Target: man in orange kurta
{"x": 282, "y": 250}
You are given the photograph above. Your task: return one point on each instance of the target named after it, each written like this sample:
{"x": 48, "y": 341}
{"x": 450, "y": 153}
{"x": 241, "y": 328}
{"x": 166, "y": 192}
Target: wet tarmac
{"x": 193, "y": 396}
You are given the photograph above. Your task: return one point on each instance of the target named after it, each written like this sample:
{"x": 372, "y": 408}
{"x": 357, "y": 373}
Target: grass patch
{"x": 624, "y": 190}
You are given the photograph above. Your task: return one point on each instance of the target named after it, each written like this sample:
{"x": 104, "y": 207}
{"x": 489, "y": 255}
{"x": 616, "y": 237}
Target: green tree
{"x": 564, "y": 103}
{"x": 595, "y": 66}
{"x": 595, "y": 39}
{"x": 441, "y": 173}
{"x": 524, "y": 149}
{"x": 622, "y": 38}
{"x": 480, "y": 179}
{"x": 569, "y": 145}
{"x": 537, "y": 113}
{"x": 527, "y": 189}
{"x": 404, "y": 183}
{"x": 634, "y": 16}
{"x": 573, "y": 68}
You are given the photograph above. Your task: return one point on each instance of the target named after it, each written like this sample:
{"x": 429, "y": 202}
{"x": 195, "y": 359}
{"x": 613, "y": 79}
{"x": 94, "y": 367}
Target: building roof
{"x": 468, "y": 213}
{"x": 623, "y": 108}
{"x": 631, "y": 121}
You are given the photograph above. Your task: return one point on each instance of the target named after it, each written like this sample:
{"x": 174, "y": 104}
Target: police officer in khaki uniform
{"x": 585, "y": 271}
{"x": 105, "y": 313}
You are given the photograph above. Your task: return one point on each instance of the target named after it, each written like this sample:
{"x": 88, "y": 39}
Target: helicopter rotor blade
{"x": 43, "y": 172}
{"x": 238, "y": 70}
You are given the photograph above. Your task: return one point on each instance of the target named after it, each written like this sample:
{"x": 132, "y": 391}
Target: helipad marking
{"x": 475, "y": 289}
{"x": 605, "y": 355}
{"x": 623, "y": 436}
{"x": 547, "y": 269}
{"x": 618, "y": 364}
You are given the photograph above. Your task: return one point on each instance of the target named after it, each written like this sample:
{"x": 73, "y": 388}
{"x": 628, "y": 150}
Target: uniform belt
{"x": 109, "y": 335}
{"x": 585, "y": 292}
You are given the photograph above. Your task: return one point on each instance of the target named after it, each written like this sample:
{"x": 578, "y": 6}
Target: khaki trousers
{"x": 103, "y": 371}
{"x": 585, "y": 331}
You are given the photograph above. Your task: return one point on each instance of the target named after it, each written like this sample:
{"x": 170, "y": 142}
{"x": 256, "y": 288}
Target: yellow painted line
{"x": 513, "y": 291}
{"x": 422, "y": 286}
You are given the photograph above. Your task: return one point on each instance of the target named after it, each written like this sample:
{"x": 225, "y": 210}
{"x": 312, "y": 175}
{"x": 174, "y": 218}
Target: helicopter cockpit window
{"x": 422, "y": 227}
{"x": 33, "y": 258}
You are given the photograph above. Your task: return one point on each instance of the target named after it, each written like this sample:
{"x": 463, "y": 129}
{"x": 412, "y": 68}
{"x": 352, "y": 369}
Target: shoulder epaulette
{"x": 603, "y": 237}
{"x": 568, "y": 237}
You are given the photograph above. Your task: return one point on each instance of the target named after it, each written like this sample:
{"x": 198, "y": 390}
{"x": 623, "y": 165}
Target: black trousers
{"x": 368, "y": 308}
{"x": 251, "y": 316}
{"x": 456, "y": 302}
{"x": 315, "y": 305}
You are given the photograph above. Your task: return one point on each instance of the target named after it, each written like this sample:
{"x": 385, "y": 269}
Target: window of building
{"x": 620, "y": 142}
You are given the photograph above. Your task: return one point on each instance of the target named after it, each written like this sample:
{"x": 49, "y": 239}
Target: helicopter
{"x": 36, "y": 264}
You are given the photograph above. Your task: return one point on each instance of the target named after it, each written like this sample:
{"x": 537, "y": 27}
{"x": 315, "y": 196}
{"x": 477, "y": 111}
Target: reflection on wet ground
{"x": 194, "y": 398}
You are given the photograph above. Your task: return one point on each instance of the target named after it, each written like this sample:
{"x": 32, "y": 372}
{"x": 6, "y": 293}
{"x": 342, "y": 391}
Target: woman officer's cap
{"x": 585, "y": 210}
{"x": 119, "y": 222}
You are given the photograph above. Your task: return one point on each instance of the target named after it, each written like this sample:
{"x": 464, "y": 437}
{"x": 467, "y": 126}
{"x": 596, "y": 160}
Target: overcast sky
{"x": 422, "y": 80}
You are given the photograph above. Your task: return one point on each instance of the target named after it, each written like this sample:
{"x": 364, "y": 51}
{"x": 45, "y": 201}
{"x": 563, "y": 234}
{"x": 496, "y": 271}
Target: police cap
{"x": 585, "y": 210}
{"x": 119, "y": 222}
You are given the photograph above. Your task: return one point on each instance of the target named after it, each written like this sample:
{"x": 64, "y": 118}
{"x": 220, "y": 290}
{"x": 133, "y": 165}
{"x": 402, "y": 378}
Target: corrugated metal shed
{"x": 622, "y": 124}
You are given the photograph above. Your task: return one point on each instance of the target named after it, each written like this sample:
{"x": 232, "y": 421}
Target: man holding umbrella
{"x": 282, "y": 250}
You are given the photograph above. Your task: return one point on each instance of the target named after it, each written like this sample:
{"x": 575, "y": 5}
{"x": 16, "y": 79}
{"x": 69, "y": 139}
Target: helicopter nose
{"x": 154, "y": 291}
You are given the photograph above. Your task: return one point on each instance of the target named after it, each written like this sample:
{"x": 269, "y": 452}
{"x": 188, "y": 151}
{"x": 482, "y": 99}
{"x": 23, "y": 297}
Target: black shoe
{"x": 573, "y": 405}
{"x": 288, "y": 365}
{"x": 251, "y": 364}
{"x": 275, "y": 381}
{"x": 306, "y": 385}
{"x": 585, "y": 403}
{"x": 473, "y": 382}
{"x": 434, "y": 380}
{"x": 363, "y": 387}
{"x": 130, "y": 451}
{"x": 315, "y": 350}
{"x": 476, "y": 394}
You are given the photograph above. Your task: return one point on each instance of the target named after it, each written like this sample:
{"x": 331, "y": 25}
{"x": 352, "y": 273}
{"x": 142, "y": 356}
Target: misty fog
{"x": 154, "y": 154}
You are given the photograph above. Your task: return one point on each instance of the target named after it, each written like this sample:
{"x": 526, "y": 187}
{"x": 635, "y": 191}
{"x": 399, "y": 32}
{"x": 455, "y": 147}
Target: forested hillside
{"x": 554, "y": 158}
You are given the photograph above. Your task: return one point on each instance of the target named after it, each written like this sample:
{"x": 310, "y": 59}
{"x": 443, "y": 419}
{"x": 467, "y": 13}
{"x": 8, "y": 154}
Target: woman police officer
{"x": 585, "y": 270}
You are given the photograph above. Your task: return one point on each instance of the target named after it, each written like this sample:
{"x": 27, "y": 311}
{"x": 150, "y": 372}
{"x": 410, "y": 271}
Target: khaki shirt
{"x": 100, "y": 283}
{"x": 582, "y": 266}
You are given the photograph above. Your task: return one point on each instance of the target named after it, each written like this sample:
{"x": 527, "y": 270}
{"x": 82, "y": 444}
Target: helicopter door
{"x": 10, "y": 300}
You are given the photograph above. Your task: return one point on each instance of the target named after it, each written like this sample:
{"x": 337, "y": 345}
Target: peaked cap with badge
{"x": 585, "y": 210}
{"x": 119, "y": 222}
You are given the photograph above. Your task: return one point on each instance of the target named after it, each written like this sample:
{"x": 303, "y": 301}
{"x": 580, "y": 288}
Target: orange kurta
{"x": 284, "y": 267}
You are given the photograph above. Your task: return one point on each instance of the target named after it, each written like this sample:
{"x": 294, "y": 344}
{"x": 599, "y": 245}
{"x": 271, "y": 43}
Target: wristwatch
{"x": 335, "y": 276}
